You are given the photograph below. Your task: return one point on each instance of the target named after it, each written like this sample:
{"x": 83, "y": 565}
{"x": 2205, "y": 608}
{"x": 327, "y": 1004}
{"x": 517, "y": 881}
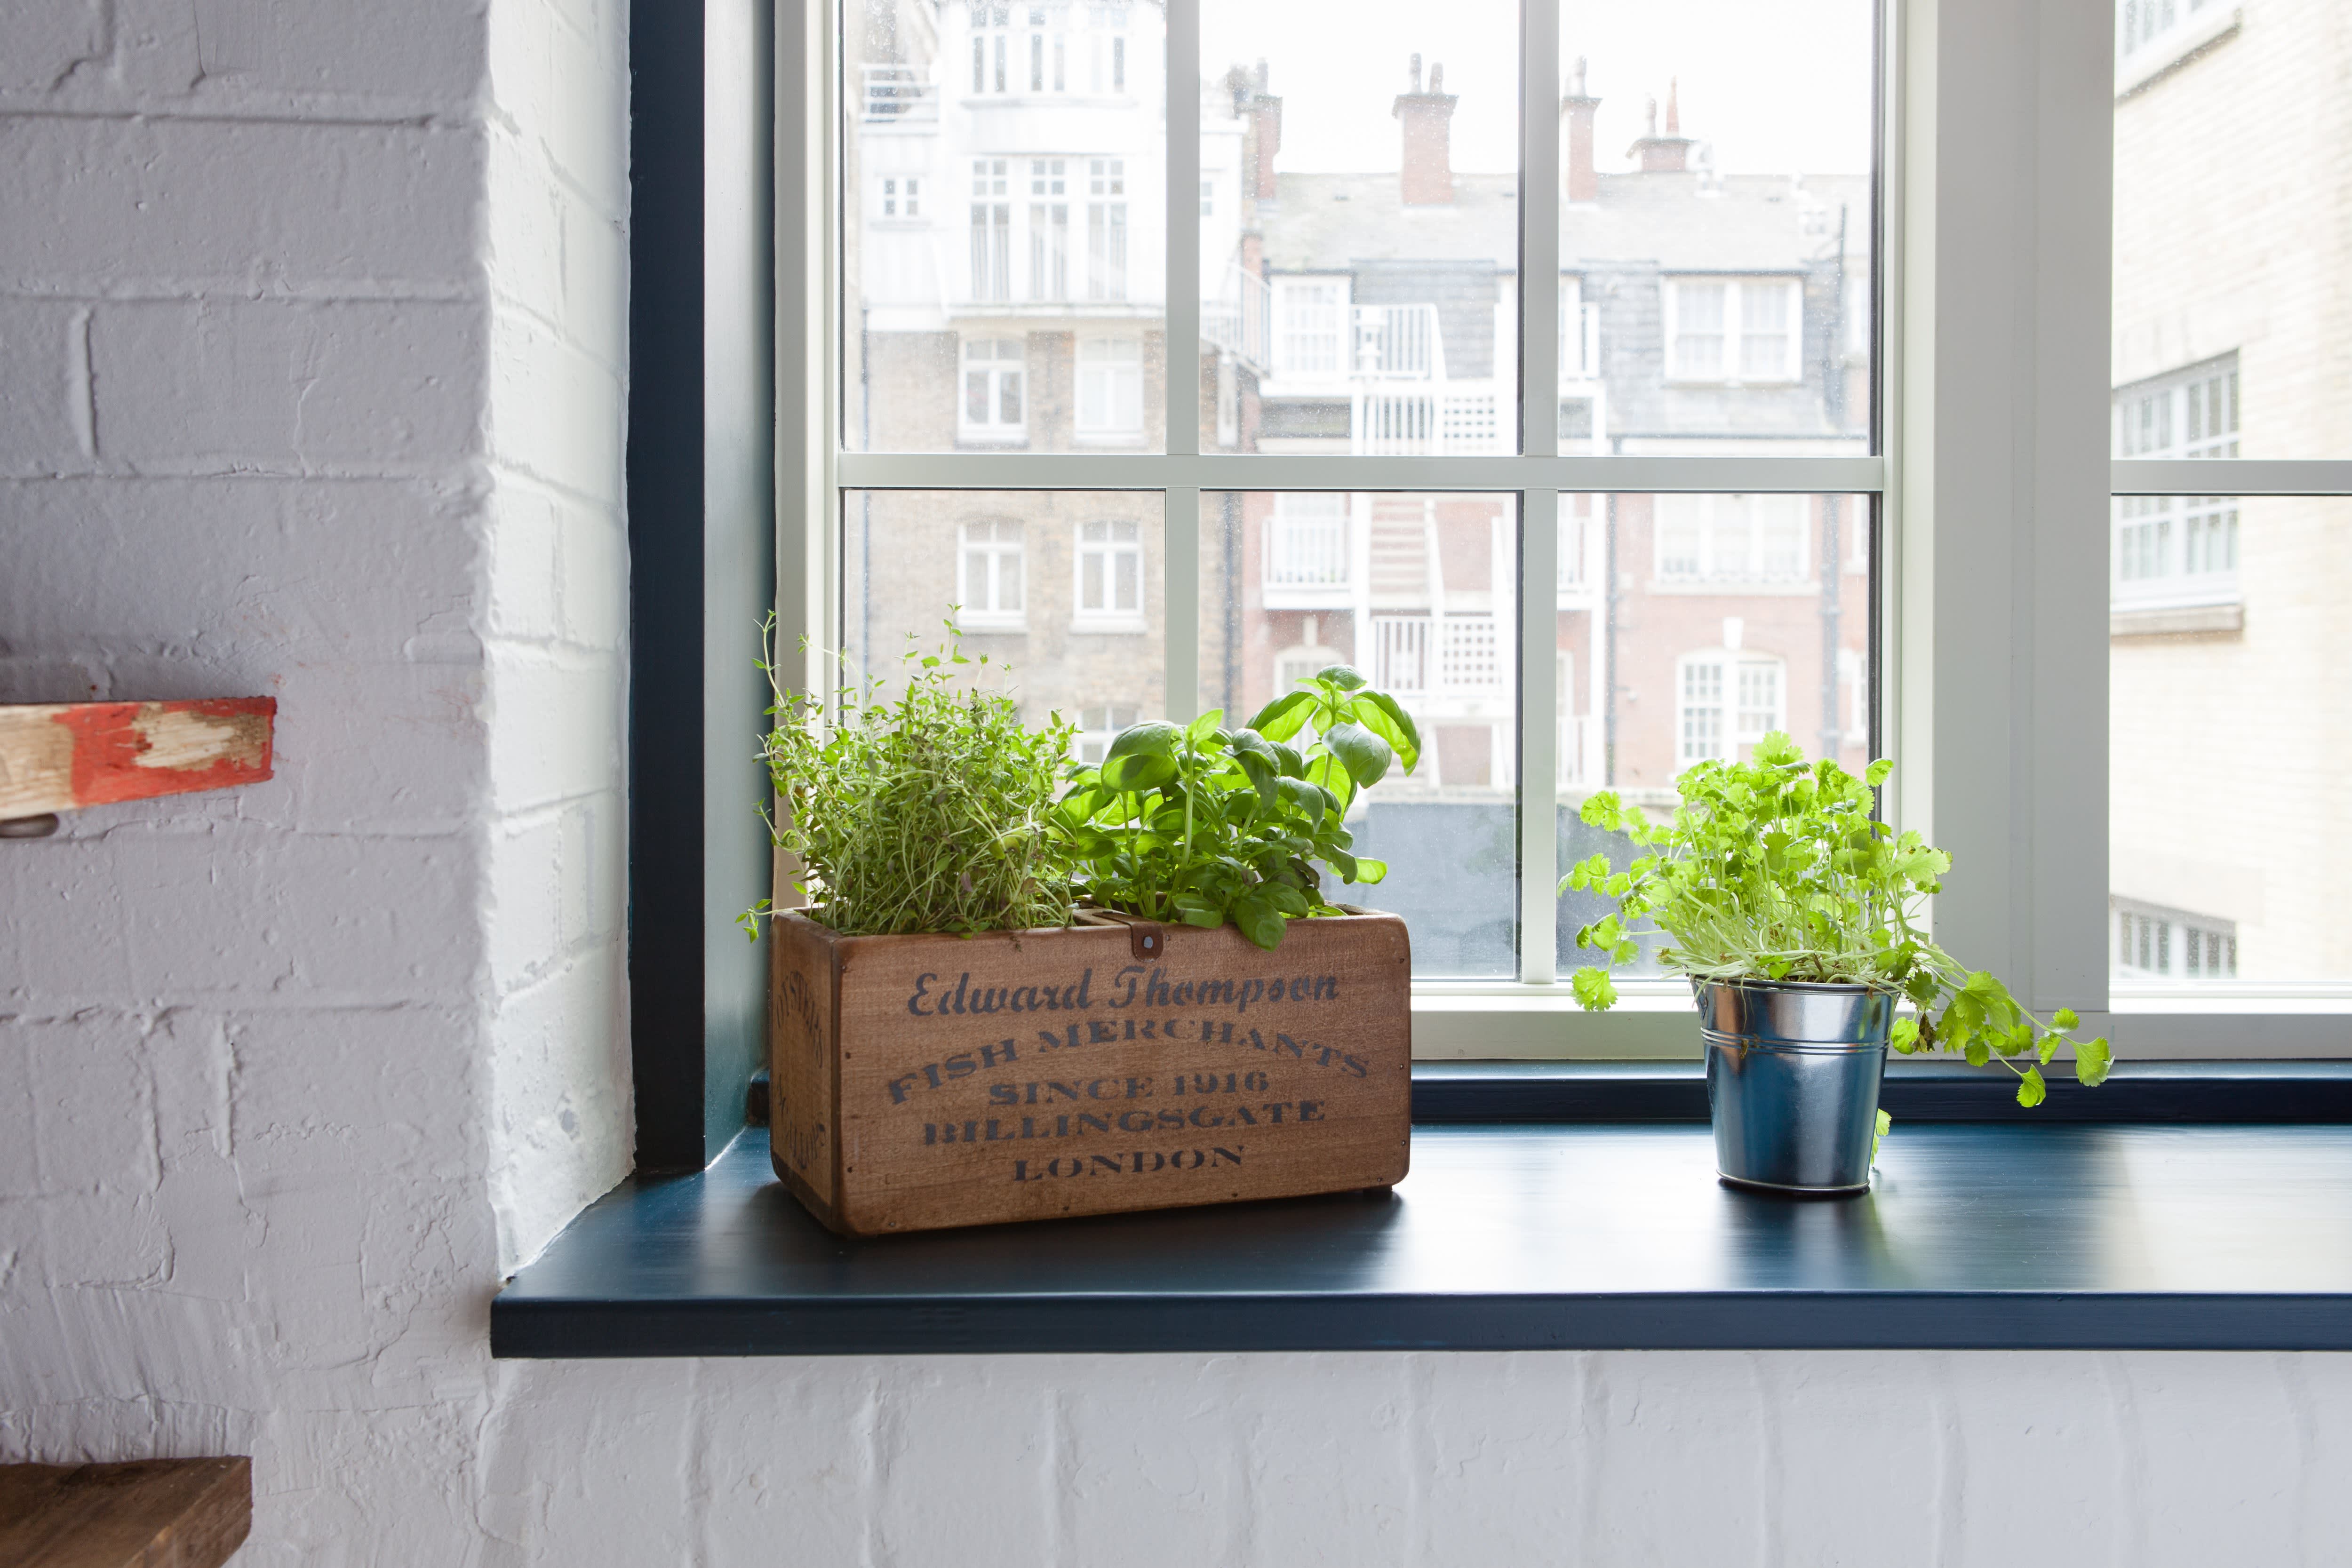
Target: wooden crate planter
{"x": 922, "y": 1082}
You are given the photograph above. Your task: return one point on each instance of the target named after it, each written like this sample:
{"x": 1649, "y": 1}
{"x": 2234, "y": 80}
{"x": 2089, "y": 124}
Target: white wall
{"x": 311, "y": 329}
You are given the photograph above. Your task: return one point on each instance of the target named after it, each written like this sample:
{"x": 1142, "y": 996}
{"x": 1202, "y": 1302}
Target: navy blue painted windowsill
{"x": 1567, "y": 1234}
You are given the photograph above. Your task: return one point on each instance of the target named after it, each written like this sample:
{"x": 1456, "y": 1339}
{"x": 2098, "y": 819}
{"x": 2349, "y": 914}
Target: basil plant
{"x": 1198, "y": 824}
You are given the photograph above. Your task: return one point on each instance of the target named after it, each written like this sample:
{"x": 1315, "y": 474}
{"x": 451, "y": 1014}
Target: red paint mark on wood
{"x": 132, "y": 751}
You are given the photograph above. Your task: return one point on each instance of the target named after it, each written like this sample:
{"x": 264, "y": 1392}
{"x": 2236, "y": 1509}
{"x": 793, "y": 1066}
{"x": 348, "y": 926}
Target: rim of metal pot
{"x": 1764, "y": 985}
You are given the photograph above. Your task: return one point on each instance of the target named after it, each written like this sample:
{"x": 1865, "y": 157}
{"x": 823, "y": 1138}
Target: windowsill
{"x": 2176, "y": 620}
{"x": 973, "y": 626}
{"x": 1135, "y": 628}
{"x": 2034, "y": 1231}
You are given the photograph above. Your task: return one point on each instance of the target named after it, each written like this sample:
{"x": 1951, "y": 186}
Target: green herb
{"x": 926, "y": 813}
{"x": 1198, "y": 824}
{"x": 1777, "y": 870}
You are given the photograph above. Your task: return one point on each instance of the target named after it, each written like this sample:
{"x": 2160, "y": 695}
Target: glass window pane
{"x": 2252, "y": 289}
{"x": 2226, "y": 709}
{"x": 1360, "y": 294}
{"x": 1014, "y": 208}
{"x": 1733, "y": 616}
{"x": 1055, "y": 587}
{"x": 1716, "y": 222}
{"x": 1419, "y": 593}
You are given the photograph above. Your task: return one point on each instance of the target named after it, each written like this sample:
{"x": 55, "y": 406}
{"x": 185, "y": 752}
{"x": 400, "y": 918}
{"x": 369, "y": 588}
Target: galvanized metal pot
{"x": 1792, "y": 1073}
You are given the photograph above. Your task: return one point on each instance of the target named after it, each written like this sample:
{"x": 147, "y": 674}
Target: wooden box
{"x": 921, "y": 1081}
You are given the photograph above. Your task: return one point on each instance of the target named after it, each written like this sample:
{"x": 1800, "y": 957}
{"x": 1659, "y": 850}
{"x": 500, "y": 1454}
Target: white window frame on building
{"x": 991, "y": 71}
{"x": 1731, "y": 543}
{"x": 1312, "y": 331}
{"x": 1106, "y": 576}
{"x": 991, "y": 575}
{"x": 2153, "y": 36}
{"x": 2176, "y": 550}
{"x": 1726, "y": 700}
{"x": 1049, "y": 228}
{"x": 1984, "y": 492}
{"x": 1099, "y": 724}
{"x": 993, "y": 398}
{"x": 1740, "y": 301}
{"x": 897, "y": 198}
{"x": 1106, "y": 228}
{"x": 991, "y": 230}
{"x": 1109, "y": 376}
{"x": 2160, "y": 944}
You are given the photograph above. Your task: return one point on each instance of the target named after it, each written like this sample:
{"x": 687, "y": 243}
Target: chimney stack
{"x": 1427, "y": 178}
{"x": 1667, "y": 154}
{"x": 1576, "y": 112}
{"x": 1262, "y": 112}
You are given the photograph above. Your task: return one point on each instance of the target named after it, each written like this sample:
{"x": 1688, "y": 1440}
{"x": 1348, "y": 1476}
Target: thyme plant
{"x": 1198, "y": 824}
{"x": 926, "y": 812}
{"x": 1777, "y": 870}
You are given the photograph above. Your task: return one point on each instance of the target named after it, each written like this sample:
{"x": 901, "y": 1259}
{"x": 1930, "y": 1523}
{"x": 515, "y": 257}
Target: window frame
{"x": 1734, "y": 286}
{"x": 1973, "y": 227}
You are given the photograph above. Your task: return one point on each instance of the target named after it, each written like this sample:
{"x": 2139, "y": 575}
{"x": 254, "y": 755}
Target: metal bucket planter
{"x": 1792, "y": 1073}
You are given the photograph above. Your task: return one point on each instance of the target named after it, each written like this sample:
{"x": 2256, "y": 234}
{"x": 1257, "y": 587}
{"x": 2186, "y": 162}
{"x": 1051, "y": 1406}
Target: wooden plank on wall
{"x": 59, "y": 756}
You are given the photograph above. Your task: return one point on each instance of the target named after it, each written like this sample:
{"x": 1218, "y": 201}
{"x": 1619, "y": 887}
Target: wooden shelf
{"x": 152, "y": 1514}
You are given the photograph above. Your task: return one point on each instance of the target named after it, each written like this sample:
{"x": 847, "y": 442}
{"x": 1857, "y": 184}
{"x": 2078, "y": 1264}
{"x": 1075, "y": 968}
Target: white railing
{"x": 1307, "y": 552}
{"x": 1240, "y": 319}
{"x": 1422, "y": 654}
{"x": 1388, "y": 420}
{"x": 897, "y": 93}
{"x": 1398, "y": 343}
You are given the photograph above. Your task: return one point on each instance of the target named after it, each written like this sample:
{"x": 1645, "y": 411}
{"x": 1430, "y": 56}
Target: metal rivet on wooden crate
{"x": 1145, "y": 940}
{"x": 36, "y": 826}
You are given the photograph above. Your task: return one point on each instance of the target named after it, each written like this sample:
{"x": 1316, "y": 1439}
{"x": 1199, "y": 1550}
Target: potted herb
{"x": 1793, "y": 913}
{"x": 955, "y": 1040}
{"x": 1201, "y": 825}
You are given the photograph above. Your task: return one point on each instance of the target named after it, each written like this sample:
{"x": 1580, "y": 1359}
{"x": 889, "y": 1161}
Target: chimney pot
{"x": 1416, "y": 71}
{"x": 1667, "y": 154}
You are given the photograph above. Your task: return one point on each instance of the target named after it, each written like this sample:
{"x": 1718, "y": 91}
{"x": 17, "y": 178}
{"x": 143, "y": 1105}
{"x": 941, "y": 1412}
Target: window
{"x": 1307, "y": 314}
{"x": 1726, "y": 699}
{"x": 1049, "y": 229}
{"x": 992, "y": 231}
{"x": 988, "y": 46}
{"x": 1106, "y": 228}
{"x": 993, "y": 411}
{"x": 2152, "y": 34}
{"x": 1736, "y": 330}
{"x": 2176, "y": 550}
{"x": 1099, "y": 726}
{"x": 1110, "y": 388}
{"x": 1208, "y": 198}
{"x": 1109, "y": 576}
{"x": 989, "y": 576}
{"x": 1738, "y": 539}
{"x": 2152, "y": 943}
{"x": 901, "y": 197}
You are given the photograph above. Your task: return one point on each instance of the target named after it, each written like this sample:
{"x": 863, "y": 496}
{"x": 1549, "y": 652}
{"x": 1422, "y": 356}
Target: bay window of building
{"x": 1109, "y": 564}
{"x": 1049, "y": 229}
{"x": 992, "y": 231}
{"x": 1106, "y": 228}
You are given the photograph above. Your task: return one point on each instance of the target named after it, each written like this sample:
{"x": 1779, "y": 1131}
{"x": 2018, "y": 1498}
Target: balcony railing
{"x": 1239, "y": 320}
{"x": 1398, "y": 343}
{"x": 895, "y": 93}
{"x": 1422, "y": 654}
{"x": 1464, "y": 418}
{"x": 1307, "y": 552}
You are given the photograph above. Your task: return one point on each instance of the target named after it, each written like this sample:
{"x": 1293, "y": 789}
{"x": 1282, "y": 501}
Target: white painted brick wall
{"x": 312, "y": 333}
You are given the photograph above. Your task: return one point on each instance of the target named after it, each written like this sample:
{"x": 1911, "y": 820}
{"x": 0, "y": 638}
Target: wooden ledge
{"x": 152, "y": 1514}
{"x": 59, "y": 756}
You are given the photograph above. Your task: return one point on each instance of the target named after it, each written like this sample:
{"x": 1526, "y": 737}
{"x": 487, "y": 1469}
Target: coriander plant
{"x": 1198, "y": 824}
{"x": 925, "y": 813}
{"x": 1777, "y": 870}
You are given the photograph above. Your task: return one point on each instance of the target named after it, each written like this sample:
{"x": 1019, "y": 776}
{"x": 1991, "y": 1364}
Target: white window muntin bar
{"x": 1303, "y": 471}
{"x": 1179, "y": 578}
{"x": 1538, "y": 765}
{"x": 2227, "y": 477}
